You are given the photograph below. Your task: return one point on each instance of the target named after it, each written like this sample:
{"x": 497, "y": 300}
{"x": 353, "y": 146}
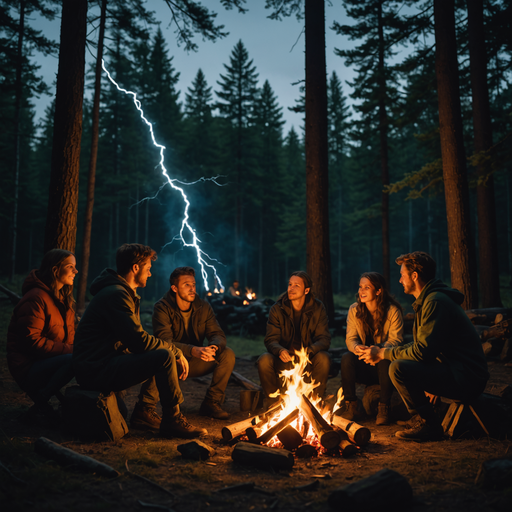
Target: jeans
{"x": 222, "y": 368}
{"x": 156, "y": 369}
{"x": 354, "y": 370}
{"x": 47, "y": 376}
{"x": 413, "y": 378}
{"x": 269, "y": 367}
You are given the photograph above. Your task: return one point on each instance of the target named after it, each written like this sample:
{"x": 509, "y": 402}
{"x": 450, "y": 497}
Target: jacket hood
{"x": 32, "y": 281}
{"x": 437, "y": 286}
{"x": 285, "y": 302}
{"x": 109, "y": 277}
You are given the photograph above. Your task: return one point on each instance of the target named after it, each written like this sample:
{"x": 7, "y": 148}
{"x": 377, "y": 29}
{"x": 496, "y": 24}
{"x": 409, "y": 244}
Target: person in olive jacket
{"x": 445, "y": 357}
{"x": 183, "y": 319}
{"x": 42, "y": 329}
{"x": 113, "y": 352}
{"x": 297, "y": 320}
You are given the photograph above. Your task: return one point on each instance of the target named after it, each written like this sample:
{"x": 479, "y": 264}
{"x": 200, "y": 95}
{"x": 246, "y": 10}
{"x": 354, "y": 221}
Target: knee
{"x": 227, "y": 357}
{"x": 265, "y": 363}
{"x": 348, "y": 360}
{"x": 398, "y": 369}
{"x": 322, "y": 361}
{"x": 166, "y": 356}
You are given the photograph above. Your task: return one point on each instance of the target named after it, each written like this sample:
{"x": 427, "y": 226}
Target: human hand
{"x": 372, "y": 355}
{"x": 360, "y": 349}
{"x": 285, "y": 356}
{"x": 183, "y": 367}
{"x": 205, "y": 353}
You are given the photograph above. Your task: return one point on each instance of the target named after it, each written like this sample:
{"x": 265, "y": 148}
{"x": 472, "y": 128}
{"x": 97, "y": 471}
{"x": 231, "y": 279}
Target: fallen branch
{"x": 67, "y": 457}
{"x": 13, "y": 297}
{"x": 245, "y": 382}
{"x": 147, "y": 480}
{"x": 14, "y": 477}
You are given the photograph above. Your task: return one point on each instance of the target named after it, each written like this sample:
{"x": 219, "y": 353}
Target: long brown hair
{"x": 48, "y": 272}
{"x": 384, "y": 300}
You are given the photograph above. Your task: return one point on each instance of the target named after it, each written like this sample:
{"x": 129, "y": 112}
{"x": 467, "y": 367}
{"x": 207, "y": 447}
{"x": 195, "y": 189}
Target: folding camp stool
{"x": 454, "y": 413}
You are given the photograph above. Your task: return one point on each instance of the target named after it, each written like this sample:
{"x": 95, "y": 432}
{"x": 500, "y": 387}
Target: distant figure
{"x": 375, "y": 319}
{"x": 234, "y": 289}
{"x": 113, "y": 352}
{"x": 295, "y": 321}
{"x": 42, "y": 329}
{"x": 446, "y": 356}
{"x": 182, "y": 318}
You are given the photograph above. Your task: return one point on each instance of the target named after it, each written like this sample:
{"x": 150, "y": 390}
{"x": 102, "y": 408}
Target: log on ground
{"x": 262, "y": 456}
{"x": 69, "y": 458}
{"x": 356, "y": 433}
{"x": 495, "y": 474}
{"x": 386, "y": 489}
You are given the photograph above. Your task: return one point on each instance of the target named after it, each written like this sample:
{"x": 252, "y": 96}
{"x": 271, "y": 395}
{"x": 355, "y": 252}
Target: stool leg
{"x": 478, "y": 419}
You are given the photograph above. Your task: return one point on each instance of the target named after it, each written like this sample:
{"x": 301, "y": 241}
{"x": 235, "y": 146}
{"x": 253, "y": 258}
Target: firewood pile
{"x": 304, "y": 432}
{"x": 494, "y": 325}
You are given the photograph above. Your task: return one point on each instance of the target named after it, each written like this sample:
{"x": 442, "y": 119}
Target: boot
{"x": 178, "y": 426}
{"x": 383, "y": 415}
{"x": 213, "y": 410}
{"x": 426, "y": 427}
{"x": 352, "y": 412}
{"x": 145, "y": 418}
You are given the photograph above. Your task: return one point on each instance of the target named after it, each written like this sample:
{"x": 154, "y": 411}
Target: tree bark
{"x": 487, "y": 237}
{"x": 61, "y": 217}
{"x": 462, "y": 258}
{"x": 384, "y": 160}
{"x": 91, "y": 181}
{"x": 16, "y": 148}
{"x": 317, "y": 181}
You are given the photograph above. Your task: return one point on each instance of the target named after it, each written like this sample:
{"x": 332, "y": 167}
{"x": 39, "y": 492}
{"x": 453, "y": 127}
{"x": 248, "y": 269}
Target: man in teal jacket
{"x": 113, "y": 352}
{"x": 446, "y": 356}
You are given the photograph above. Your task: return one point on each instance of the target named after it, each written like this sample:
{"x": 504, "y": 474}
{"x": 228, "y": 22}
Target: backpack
{"x": 92, "y": 415}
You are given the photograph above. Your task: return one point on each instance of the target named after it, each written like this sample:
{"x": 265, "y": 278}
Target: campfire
{"x": 297, "y": 423}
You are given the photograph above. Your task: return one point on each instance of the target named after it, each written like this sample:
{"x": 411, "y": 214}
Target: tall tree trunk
{"x": 238, "y": 205}
{"x": 63, "y": 197}
{"x": 487, "y": 236}
{"x": 91, "y": 180}
{"x": 16, "y": 127}
{"x": 462, "y": 258}
{"x": 384, "y": 160}
{"x": 317, "y": 168}
{"x": 340, "y": 237}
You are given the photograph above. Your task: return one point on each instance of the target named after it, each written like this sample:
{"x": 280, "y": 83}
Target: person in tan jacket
{"x": 375, "y": 319}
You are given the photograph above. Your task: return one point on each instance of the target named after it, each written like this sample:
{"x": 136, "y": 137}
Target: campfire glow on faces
{"x": 185, "y": 226}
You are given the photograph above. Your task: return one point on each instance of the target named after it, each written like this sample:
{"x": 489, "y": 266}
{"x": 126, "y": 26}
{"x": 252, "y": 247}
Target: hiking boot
{"x": 41, "y": 414}
{"x": 178, "y": 426}
{"x": 410, "y": 422}
{"x": 422, "y": 431}
{"x": 145, "y": 418}
{"x": 383, "y": 415}
{"x": 352, "y": 412}
{"x": 213, "y": 410}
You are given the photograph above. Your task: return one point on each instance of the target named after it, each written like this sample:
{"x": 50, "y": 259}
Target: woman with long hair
{"x": 375, "y": 319}
{"x": 42, "y": 329}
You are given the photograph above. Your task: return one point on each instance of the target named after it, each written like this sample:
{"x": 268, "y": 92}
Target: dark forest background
{"x": 233, "y": 129}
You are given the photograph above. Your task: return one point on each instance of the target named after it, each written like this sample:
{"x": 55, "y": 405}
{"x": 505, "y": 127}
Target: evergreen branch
{"x": 430, "y": 173}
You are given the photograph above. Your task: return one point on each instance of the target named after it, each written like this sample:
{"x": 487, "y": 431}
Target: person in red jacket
{"x": 42, "y": 329}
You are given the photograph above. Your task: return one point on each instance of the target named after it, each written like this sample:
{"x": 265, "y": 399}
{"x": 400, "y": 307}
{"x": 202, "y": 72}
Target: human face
{"x": 367, "y": 292}
{"x": 142, "y": 274}
{"x": 66, "y": 272}
{"x": 407, "y": 280}
{"x": 296, "y": 289}
{"x": 186, "y": 288}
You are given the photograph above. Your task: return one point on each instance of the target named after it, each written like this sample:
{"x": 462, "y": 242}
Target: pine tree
{"x": 236, "y": 101}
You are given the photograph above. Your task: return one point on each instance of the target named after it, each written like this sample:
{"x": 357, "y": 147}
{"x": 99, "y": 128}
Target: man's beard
{"x": 139, "y": 279}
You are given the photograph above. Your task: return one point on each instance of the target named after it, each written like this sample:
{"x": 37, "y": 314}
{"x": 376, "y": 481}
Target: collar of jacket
{"x": 418, "y": 303}
{"x": 285, "y": 303}
{"x": 170, "y": 298}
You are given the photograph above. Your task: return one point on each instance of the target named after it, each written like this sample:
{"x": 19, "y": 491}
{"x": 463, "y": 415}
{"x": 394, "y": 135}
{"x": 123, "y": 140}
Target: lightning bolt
{"x": 185, "y": 226}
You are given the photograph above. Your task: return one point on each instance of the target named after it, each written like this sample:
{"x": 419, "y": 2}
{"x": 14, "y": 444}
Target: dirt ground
{"x": 441, "y": 474}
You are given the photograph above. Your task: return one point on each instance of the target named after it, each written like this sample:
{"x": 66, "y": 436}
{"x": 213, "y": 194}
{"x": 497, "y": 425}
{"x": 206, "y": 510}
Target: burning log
{"x": 306, "y": 451}
{"x": 347, "y": 449}
{"x": 386, "y": 487}
{"x": 273, "y": 431}
{"x": 356, "y": 433}
{"x": 237, "y": 429}
{"x": 290, "y": 438}
{"x": 328, "y": 437}
{"x": 263, "y": 456}
{"x": 254, "y": 432}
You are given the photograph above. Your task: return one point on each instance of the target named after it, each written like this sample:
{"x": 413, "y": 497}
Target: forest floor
{"x": 442, "y": 474}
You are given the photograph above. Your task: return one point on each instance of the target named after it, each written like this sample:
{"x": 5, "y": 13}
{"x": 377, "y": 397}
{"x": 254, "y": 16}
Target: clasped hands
{"x": 204, "y": 353}
{"x": 370, "y": 355}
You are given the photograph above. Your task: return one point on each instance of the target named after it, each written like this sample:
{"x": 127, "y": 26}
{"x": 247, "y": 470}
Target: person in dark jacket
{"x": 42, "y": 329}
{"x": 113, "y": 352}
{"x": 183, "y": 319}
{"x": 446, "y": 356}
{"x": 296, "y": 321}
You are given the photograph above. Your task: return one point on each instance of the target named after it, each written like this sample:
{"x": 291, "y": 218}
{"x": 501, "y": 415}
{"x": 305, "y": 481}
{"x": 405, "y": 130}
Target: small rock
{"x": 195, "y": 450}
